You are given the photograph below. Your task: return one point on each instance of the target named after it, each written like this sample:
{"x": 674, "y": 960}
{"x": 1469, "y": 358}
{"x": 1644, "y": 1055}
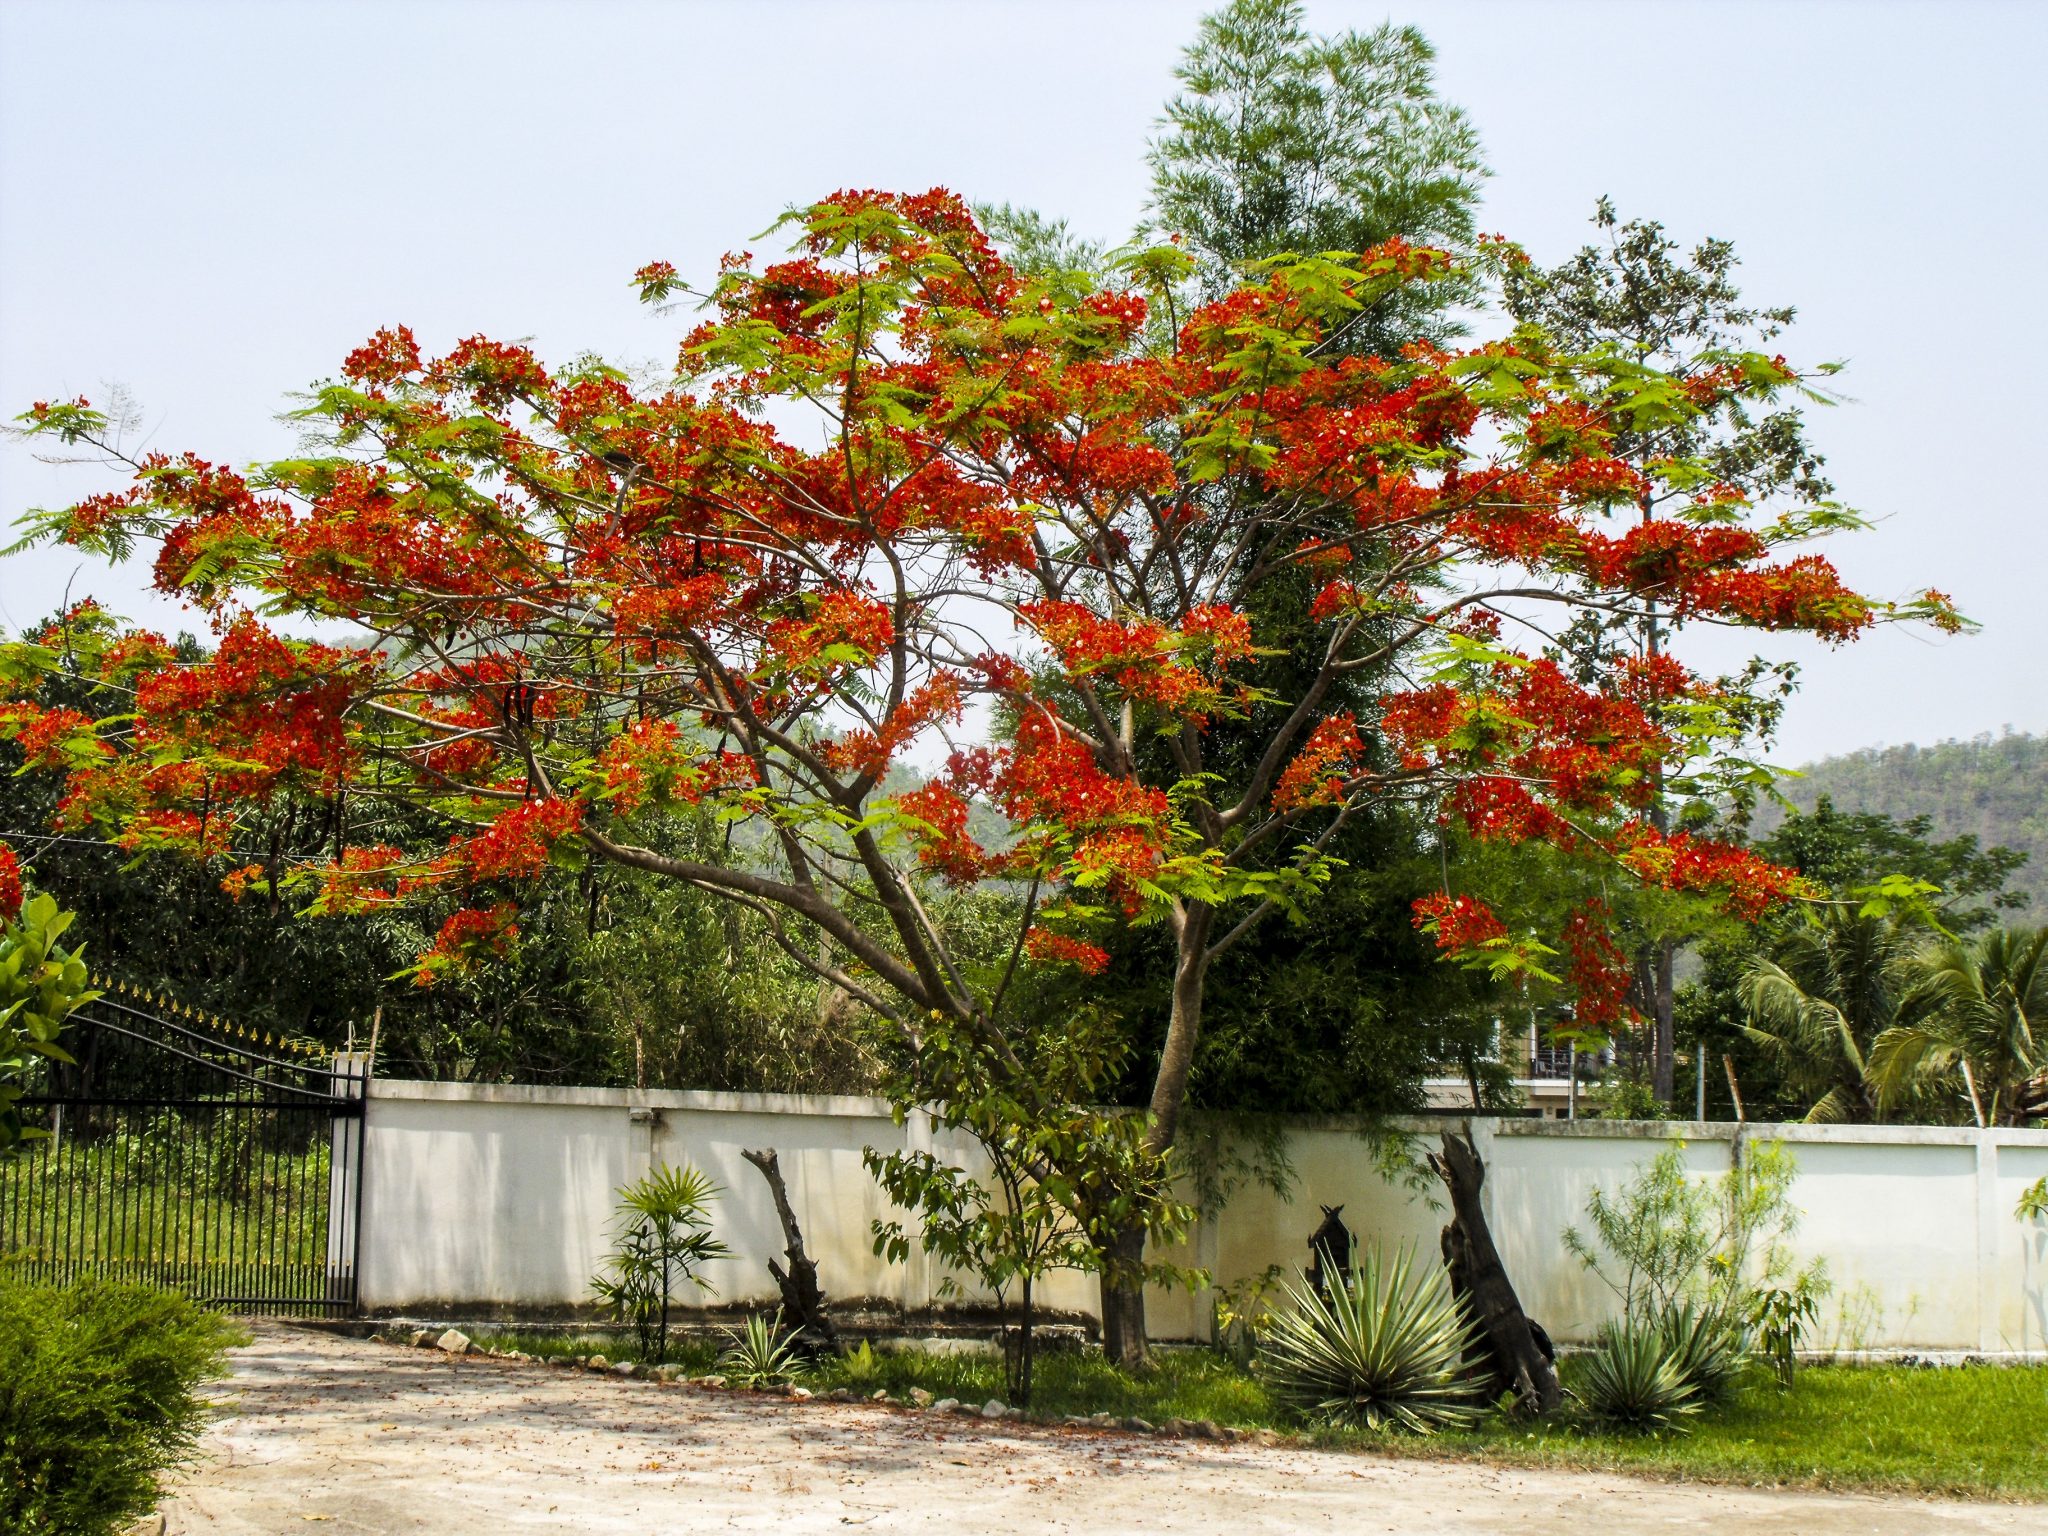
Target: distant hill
{"x": 1994, "y": 786}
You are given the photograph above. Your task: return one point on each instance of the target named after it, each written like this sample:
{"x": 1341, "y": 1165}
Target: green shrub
{"x": 1710, "y": 1351}
{"x": 41, "y": 983}
{"x": 96, "y": 1400}
{"x": 661, "y": 1238}
{"x": 1385, "y": 1349}
{"x": 858, "y": 1369}
{"x": 1631, "y": 1382}
{"x": 760, "y": 1355}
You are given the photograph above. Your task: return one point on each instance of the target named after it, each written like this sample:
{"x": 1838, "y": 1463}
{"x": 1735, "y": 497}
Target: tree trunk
{"x": 803, "y": 1303}
{"x": 1663, "y": 1047}
{"x": 1479, "y": 1277}
{"x": 1123, "y": 1285}
{"x": 1123, "y": 1302}
{"x": 1664, "y": 1044}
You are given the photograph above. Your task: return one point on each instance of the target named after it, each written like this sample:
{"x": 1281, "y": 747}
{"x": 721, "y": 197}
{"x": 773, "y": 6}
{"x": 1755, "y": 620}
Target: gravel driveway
{"x": 317, "y": 1430}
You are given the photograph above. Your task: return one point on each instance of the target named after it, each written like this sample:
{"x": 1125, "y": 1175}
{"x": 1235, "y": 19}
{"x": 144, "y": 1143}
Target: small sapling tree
{"x": 661, "y": 1238}
{"x": 1061, "y": 1175}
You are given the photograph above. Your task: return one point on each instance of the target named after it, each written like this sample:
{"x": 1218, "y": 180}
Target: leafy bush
{"x": 1679, "y": 1253}
{"x": 1385, "y": 1349}
{"x": 858, "y": 1369}
{"x": 661, "y": 1237}
{"x": 1779, "y": 1315}
{"x": 1628, "y": 1098}
{"x": 762, "y": 1354}
{"x": 1241, "y": 1312}
{"x": 41, "y": 983}
{"x": 96, "y": 1400}
{"x": 1632, "y": 1382}
{"x": 1065, "y": 1180}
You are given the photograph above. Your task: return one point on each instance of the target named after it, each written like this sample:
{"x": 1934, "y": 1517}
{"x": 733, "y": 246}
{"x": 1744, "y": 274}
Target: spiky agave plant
{"x": 1709, "y": 1348}
{"x": 1386, "y": 1349}
{"x": 1632, "y": 1382}
{"x": 760, "y": 1354}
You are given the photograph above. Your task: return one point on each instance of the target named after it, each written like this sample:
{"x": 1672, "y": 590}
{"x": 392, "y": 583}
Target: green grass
{"x": 691, "y": 1353}
{"x": 1968, "y": 1431}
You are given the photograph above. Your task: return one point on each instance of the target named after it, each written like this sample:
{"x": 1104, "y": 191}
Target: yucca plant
{"x": 1708, "y": 1348}
{"x": 1631, "y": 1382}
{"x": 1386, "y": 1349}
{"x": 761, "y": 1354}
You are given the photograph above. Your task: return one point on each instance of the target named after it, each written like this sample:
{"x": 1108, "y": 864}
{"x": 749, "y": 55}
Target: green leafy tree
{"x": 1980, "y": 1012}
{"x": 1992, "y": 786}
{"x": 1638, "y": 296}
{"x": 1282, "y": 140}
{"x": 1951, "y": 884}
{"x": 686, "y": 991}
{"x": 1818, "y": 1004}
{"x": 1064, "y": 1181}
{"x": 1850, "y": 853}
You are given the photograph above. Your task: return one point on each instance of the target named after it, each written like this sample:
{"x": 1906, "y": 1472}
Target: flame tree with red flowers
{"x": 902, "y": 505}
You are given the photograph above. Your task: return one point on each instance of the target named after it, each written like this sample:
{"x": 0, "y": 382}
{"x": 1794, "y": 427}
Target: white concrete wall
{"x": 498, "y": 1198}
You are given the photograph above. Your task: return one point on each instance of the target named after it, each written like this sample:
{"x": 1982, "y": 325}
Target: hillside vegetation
{"x": 1995, "y": 787}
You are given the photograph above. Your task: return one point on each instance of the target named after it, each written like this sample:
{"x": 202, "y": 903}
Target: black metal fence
{"x": 180, "y": 1158}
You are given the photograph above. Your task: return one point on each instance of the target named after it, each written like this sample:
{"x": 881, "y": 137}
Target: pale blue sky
{"x": 211, "y": 203}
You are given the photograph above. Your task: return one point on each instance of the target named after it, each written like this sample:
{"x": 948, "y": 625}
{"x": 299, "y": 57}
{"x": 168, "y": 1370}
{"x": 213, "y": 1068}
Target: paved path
{"x": 324, "y": 1433}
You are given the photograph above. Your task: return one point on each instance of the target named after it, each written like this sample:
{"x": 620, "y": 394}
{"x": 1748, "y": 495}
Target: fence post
{"x": 1988, "y": 1225}
{"x": 348, "y": 1132}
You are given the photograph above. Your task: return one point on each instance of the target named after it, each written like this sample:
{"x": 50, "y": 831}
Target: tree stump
{"x": 1480, "y": 1280}
{"x": 803, "y": 1302}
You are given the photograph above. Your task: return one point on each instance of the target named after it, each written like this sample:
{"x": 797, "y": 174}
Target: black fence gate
{"x": 180, "y": 1158}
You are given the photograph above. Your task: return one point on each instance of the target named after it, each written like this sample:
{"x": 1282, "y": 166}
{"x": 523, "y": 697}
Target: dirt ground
{"x": 319, "y": 1430}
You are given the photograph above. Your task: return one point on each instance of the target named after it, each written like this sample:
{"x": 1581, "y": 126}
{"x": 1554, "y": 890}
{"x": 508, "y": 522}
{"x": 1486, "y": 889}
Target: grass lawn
{"x": 1969, "y": 1431}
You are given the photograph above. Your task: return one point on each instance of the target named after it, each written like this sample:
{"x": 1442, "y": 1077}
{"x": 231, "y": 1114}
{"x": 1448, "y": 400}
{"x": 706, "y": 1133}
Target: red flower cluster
{"x": 1599, "y": 972}
{"x": 1748, "y": 885}
{"x": 649, "y": 762}
{"x": 271, "y": 709}
{"x": 1049, "y": 948}
{"x": 362, "y": 879}
{"x": 945, "y": 846}
{"x": 1318, "y": 773}
{"x": 48, "y": 738}
{"x": 1460, "y": 923}
{"x": 1500, "y": 809}
{"x": 10, "y": 885}
{"x": 385, "y": 358}
{"x": 840, "y": 620}
{"x": 516, "y": 845}
{"x": 468, "y": 939}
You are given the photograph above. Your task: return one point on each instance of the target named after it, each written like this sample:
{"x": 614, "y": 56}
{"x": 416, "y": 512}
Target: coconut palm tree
{"x": 1979, "y": 1008}
{"x": 1819, "y": 1004}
